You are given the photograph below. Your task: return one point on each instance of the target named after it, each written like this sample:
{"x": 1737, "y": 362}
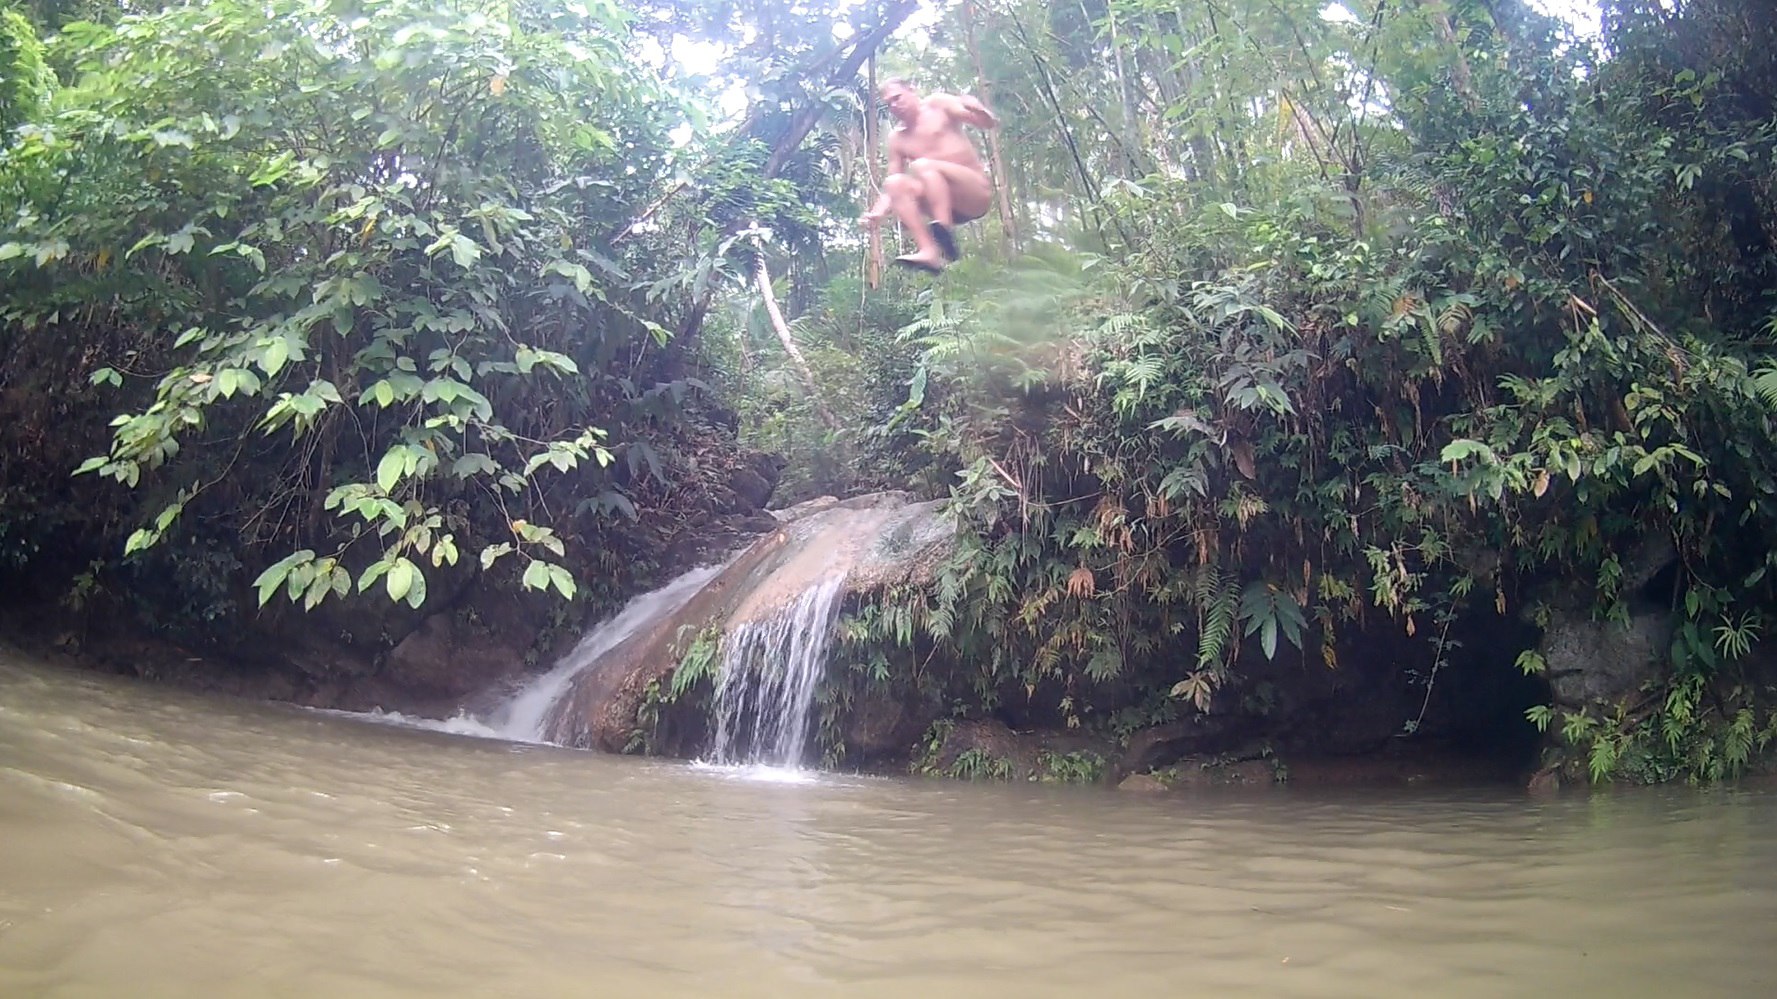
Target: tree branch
{"x": 782, "y": 329}
{"x": 865, "y": 47}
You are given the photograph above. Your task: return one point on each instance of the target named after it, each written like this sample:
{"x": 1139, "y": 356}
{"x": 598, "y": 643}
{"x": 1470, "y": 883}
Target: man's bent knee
{"x": 900, "y": 185}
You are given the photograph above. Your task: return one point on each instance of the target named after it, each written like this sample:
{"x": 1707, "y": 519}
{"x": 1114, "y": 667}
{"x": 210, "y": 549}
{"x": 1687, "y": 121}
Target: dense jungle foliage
{"x": 1296, "y": 322}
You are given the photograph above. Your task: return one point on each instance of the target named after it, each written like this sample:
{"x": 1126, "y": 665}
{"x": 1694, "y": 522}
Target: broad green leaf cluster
{"x": 348, "y": 267}
{"x": 1324, "y": 329}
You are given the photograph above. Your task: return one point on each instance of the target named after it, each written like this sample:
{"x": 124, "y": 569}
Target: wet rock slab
{"x": 872, "y": 541}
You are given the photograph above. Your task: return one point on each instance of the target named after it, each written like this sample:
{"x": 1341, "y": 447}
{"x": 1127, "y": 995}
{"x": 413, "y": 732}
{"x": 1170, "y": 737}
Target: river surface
{"x": 154, "y": 843}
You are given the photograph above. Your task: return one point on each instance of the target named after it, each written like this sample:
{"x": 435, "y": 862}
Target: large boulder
{"x": 1603, "y": 661}
{"x": 874, "y": 541}
{"x": 1594, "y": 660}
{"x": 882, "y": 725}
{"x": 448, "y": 657}
{"x": 599, "y": 708}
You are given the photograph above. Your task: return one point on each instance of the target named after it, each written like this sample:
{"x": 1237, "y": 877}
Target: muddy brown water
{"x": 154, "y": 843}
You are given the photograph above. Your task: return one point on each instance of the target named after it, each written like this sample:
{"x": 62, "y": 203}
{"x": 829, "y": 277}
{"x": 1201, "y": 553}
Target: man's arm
{"x": 969, "y": 111}
{"x": 896, "y": 164}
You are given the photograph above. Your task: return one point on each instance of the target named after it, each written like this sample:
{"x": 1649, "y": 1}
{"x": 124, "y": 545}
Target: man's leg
{"x": 906, "y": 197}
{"x": 936, "y": 187}
{"x": 954, "y": 193}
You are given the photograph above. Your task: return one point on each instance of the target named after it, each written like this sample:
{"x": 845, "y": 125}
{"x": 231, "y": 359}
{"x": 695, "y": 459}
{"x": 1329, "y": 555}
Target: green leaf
{"x": 169, "y": 513}
{"x": 536, "y": 575}
{"x": 473, "y": 464}
{"x": 396, "y": 462}
{"x": 560, "y": 362}
{"x": 276, "y": 353}
{"x": 142, "y": 539}
{"x": 273, "y": 577}
{"x": 361, "y": 289}
{"x": 444, "y": 552}
{"x": 1457, "y": 450}
{"x": 416, "y": 592}
{"x": 492, "y": 553}
{"x": 317, "y": 590}
{"x": 576, "y": 273}
{"x": 400, "y": 579}
{"x": 375, "y": 571}
{"x": 463, "y": 250}
{"x": 564, "y": 583}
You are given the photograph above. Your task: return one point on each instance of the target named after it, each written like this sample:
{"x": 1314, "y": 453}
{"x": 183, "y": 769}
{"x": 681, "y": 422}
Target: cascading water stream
{"x": 766, "y": 684}
{"x": 524, "y": 718}
{"x": 776, "y": 603}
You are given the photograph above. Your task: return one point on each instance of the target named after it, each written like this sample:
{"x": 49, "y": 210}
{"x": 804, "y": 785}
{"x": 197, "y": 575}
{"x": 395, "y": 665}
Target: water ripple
{"x": 158, "y": 844}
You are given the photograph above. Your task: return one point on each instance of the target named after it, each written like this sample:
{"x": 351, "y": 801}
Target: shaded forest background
{"x": 1300, "y": 332}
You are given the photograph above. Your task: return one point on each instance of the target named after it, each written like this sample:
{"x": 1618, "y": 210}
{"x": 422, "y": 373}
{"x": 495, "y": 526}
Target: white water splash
{"x": 521, "y": 719}
{"x": 770, "y": 668}
{"x": 458, "y": 724}
{"x": 759, "y": 773}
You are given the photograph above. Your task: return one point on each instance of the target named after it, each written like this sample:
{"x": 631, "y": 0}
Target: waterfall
{"x": 775, "y": 604}
{"x": 525, "y": 717}
{"x": 770, "y": 668}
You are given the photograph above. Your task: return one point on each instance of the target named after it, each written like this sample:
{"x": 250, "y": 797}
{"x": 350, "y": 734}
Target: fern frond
{"x": 1764, "y": 383}
{"x": 1218, "y": 625}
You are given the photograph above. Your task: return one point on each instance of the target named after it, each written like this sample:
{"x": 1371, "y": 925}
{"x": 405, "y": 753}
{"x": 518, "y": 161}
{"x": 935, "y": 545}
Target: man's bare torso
{"x": 935, "y": 178}
{"x": 936, "y": 134}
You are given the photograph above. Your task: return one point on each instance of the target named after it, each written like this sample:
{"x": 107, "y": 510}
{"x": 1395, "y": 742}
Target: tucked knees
{"x": 901, "y": 185}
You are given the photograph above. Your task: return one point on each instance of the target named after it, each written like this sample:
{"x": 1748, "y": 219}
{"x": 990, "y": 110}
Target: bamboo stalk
{"x": 1002, "y": 179}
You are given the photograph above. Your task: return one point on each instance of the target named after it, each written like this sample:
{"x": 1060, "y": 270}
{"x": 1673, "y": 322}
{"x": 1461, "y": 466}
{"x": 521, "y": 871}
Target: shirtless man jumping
{"x": 933, "y": 171}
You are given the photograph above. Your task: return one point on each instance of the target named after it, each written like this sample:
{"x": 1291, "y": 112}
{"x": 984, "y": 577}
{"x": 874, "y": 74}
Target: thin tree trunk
{"x": 1002, "y": 180}
{"x": 1465, "y": 84}
{"x": 745, "y": 338}
{"x": 1123, "y": 96}
{"x": 872, "y": 142}
{"x": 783, "y": 334}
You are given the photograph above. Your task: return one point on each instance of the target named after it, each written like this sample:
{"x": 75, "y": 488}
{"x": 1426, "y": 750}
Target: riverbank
{"x": 1404, "y": 765}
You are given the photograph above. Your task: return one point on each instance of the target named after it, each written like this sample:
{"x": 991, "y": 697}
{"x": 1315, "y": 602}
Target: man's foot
{"x": 930, "y": 263}
{"x": 946, "y": 241}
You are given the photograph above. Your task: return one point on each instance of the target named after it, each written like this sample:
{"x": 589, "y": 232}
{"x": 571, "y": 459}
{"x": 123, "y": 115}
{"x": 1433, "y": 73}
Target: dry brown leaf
{"x": 1243, "y": 458}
